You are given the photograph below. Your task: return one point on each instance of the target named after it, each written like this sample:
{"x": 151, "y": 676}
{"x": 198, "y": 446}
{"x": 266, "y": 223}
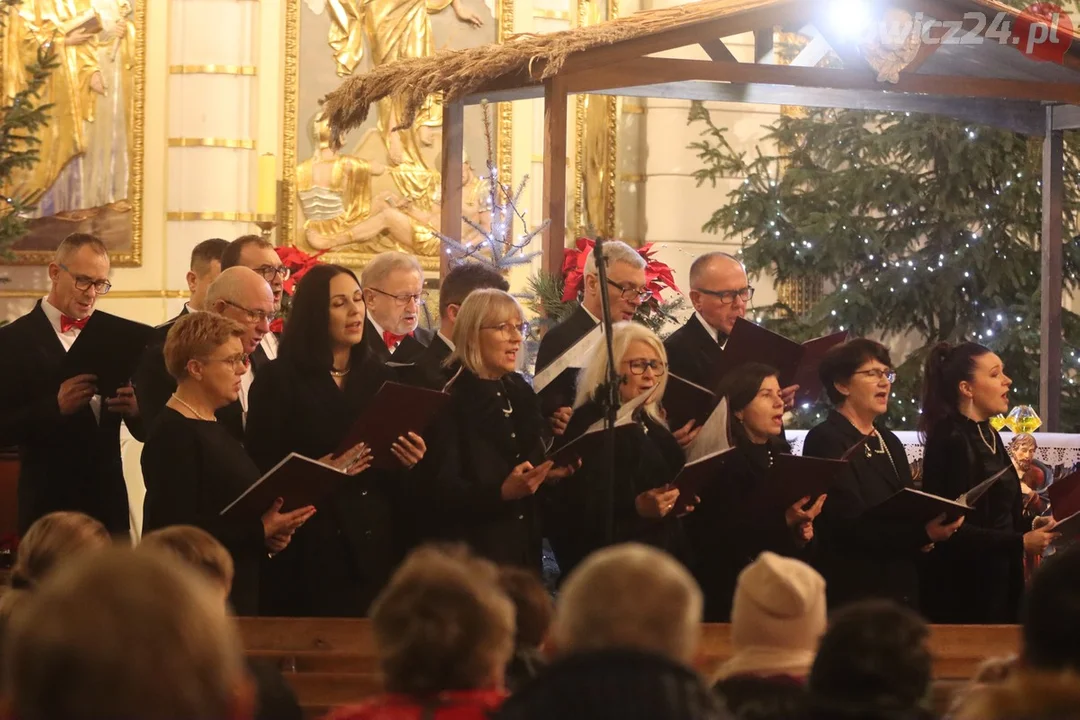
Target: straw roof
{"x": 528, "y": 59}
{"x": 458, "y": 73}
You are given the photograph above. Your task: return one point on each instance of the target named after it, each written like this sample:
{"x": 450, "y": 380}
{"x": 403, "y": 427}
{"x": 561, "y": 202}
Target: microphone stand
{"x": 608, "y": 399}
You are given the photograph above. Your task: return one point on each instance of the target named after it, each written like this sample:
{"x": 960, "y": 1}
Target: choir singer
{"x": 193, "y": 467}
{"x": 859, "y": 556}
{"x": 486, "y": 464}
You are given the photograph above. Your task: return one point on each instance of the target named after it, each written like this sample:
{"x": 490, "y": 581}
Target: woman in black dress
{"x": 862, "y": 557}
{"x": 305, "y": 401}
{"x": 978, "y": 576}
{"x": 193, "y": 467}
{"x": 647, "y": 459}
{"x": 486, "y": 463}
{"x": 725, "y": 534}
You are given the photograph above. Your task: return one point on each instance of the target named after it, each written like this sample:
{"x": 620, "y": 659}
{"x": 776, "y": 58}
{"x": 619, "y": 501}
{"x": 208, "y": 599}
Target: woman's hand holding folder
{"x": 353, "y": 461}
{"x": 801, "y": 519}
{"x": 687, "y": 434}
{"x": 938, "y": 530}
{"x": 278, "y": 527}
{"x": 1037, "y": 540}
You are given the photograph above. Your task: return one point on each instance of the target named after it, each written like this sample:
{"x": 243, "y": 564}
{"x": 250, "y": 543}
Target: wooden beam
{"x": 1053, "y": 235}
{"x": 453, "y": 148}
{"x": 554, "y": 199}
{"x": 527, "y": 92}
{"x": 654, "y": 71}
{"x": 1066, "y": 117}
{"x": 1022, "y": 117}
{"x": 717, "y": 50}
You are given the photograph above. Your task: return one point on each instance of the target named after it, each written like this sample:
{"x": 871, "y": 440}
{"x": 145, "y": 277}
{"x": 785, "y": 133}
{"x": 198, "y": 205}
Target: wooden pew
{"x": 331, "y": 662}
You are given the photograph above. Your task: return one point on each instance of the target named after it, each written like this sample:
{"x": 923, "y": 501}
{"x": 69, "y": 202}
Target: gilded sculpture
{"x": 86, "y": 177}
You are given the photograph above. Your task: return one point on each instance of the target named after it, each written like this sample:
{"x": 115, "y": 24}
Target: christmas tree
{"x": 918, "y": 227}
{"x": 21, "y": 118}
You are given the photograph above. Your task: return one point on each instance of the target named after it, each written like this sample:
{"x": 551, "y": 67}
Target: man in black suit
{"x": 257, "y": 253}
{"x": 626, "y": 291}
{"x": 238, "y": 293}
{"x": 428, "y": 369}
{"x": 204, "y": 268}
{"x": 393, "y": 285}
{"x": 720, "y": 293}
{"x": 68, "y": 435}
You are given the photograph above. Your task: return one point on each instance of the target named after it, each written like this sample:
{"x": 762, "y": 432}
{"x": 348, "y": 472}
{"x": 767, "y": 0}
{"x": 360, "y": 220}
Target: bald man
{"x": 720, "y": 293}
{"x": 241, "y": 294}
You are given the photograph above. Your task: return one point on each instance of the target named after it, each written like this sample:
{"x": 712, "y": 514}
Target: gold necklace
{"x": 339, "y": 373}
{"x": 991, "y": 447}
{"x": 193, "y": 410}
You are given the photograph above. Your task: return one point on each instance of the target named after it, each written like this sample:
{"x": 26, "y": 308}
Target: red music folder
{"x": 696, "y": 475}
{"x": 685, "y": 401}
{"x": 592, "y": 438}
{"x": 797, "y": 363}
{"x": 1065, "y": 505}
{"x": 395, "y": 410}
{"x": 110, "y": 348}
{"x": 793, "y": 477}
{"x": 299, "y": 481}
{"x": 916, "y": 507}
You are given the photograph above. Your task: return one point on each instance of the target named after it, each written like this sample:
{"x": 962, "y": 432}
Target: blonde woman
{"x": 485, "y": 460}
{"x": 647, "y": 458}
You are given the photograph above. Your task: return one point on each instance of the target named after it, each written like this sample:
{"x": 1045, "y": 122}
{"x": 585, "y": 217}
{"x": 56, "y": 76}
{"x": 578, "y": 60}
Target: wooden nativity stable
{"x": 974, "y": 74}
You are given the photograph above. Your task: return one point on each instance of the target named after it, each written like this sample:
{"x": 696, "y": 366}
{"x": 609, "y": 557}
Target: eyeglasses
{"x": 639, "y": 366}
{"x": 402, "y": 300}
{"x": 876, "y": 375}
{"x": 631, "y": 292}
{"x": 269, "y": 271}
{"x": 83, "y": 283}
{"x": 727, "y": 297}
{"x": 235, "y": 361}
{"x": 254, "y": 316}
{"x": 506, "y": 329}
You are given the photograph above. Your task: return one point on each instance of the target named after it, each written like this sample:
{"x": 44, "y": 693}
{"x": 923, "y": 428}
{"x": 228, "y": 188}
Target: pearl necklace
{"x": 193, "y": 410}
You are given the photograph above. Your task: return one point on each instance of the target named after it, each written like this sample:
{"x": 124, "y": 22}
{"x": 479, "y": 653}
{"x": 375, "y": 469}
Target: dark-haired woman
{"x": 725, "y": 536}
{"x": 861, "y": 557}
{"x": 305, "y": 401}
{"x": 978, "y": 576}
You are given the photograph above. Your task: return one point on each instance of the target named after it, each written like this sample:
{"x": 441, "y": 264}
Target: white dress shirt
{"x": 67, "y": 339}
{"x": 269, "y": 345}
{"x": 710, "y": 329}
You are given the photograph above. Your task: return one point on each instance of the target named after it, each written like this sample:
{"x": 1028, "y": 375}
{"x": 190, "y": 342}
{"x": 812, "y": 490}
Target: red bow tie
{"x": 392, "y": 339}
{"x": 66, "y": 323}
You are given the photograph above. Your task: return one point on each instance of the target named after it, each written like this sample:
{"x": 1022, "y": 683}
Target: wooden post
{"x": 453, "y": 147}
{"x": 1053, "y": 206}
{"x": 554, "y": 172}
{"x": 763, "y": 43}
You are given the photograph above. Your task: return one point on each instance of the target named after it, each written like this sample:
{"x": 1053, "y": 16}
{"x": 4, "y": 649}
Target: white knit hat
{"x": 777, "y": 617}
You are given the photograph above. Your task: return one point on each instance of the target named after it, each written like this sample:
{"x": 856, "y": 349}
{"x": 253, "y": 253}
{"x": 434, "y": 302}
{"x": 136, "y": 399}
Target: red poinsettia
{"x": 658, "y": 275}
{"x": 298, "y": 262}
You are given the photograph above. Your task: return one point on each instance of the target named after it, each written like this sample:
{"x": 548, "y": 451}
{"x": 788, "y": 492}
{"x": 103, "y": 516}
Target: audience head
{"x": 1051, "y": 614}
{"x": 641, "y": 360}
{"x": 1027, "y": 695}
{"x": 198, "y": 550}
{"x": 78, "y": 274}
{"x": 533, "y": 607}
{"x": 52, "y": 538}
{"x": 858, "y": 376}
{"x": 443, "y": 623}
{"x": 488, "y": 333}
{"x": 757, "y": 410}
{"x": 456, "y": 286}
{"x": 205, "y": 351}
{"x": 240, "y": 294}
{"x": 257, "y": 253}
{"x": 966, "y": 380}
{"x": 393, "y": 285}
{"x": 205, "y": 267}
{"x": 626, "y": 281}
{"x": 629, "y": 597}
{"x": 123, "y": 634}
{"x": 777, "y": 617}
{"x": 327, "y": 313}
{"x": 872, "y": 661}
{"x": 719, "y": 289}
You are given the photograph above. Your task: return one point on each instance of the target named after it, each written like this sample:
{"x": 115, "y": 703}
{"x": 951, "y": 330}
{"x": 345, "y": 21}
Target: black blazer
{"x": 193, "y": 469}
{"x": 978, "y": 575}
{"x": 66, "y": 463}
{"x": 693, "y": 354}
{"x": 473, "y": 447}
{"x": 862, "y": 558}
{"x": 340, "y": 559}
{"x": 555, "y": 342}
{"x": 407, "y": 350}
{"x": 647, "y": 456}
{"x": 725, "y": 538}
{"x": 427, "y": 370}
